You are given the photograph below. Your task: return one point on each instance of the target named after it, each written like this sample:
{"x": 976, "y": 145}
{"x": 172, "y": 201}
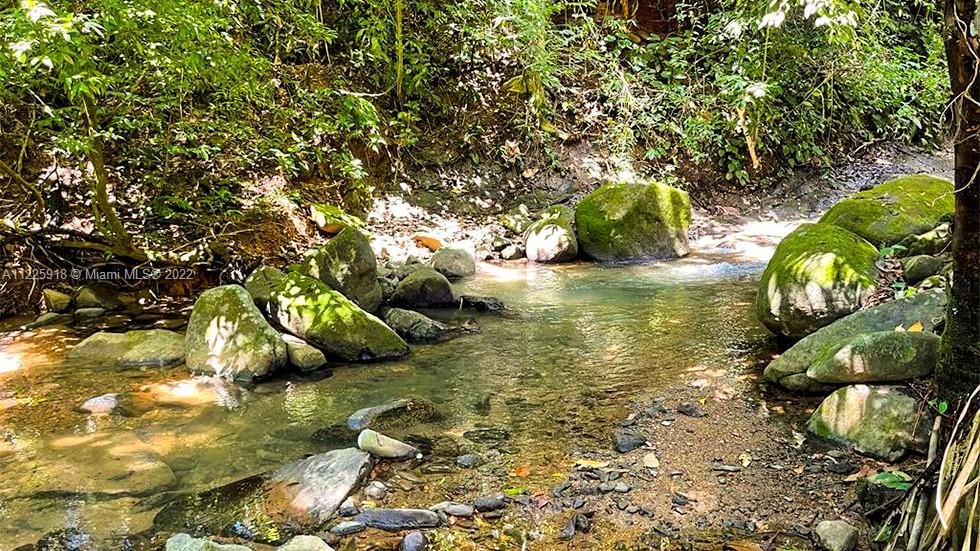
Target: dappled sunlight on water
{"x": 582, "y": 341}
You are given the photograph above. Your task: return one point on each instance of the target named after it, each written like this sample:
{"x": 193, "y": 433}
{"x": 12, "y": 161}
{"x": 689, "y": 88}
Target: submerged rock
{"x": 622, "y": 221}
{"x": 402, "y": 412}
{"x": 424, "y": 288}
{"x": 305, "y": 543}
{"x": 227, "y": 336}
{"x": 323, "y": 317}
{"x": 789, "y": 369}
{"x": 415, "y": 327}
{"x": 185, "y": 542}
{"x": 483, "y": 304}
{"x": 818, "y": 273}
{"x": 49, "y": 318}
{"x": 394, "y": 520}
{"x": 879, "y": 421}
{"x": 453, "y": 263}
{"x": 879, "y": 357}
{"x": 385, "y": 447}
{"x": 348, "y": 265}
{"x": 889, "y": 212}
{"x": 551, "y": 240}
{"x": 133, "y": 349}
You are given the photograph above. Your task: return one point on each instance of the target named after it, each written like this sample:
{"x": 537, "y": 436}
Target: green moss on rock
{"x": 622, "y": 221}
{"x": 347, "y": 264}
{"x": 894, "y": 210}
{"x": 551, "y": 240}
{"x": 883, "y": 356}
{"x": 818, "y": 273}
{"x": 325, "y": 318}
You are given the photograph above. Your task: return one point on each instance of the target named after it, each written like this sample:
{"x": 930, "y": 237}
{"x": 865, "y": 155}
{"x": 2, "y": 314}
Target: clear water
{"x": 582, "y": 341}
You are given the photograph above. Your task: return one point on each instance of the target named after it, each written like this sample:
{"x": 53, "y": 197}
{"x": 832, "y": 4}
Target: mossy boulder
{"x": 424, "y": 288}
{"x": 935, "y": 241}
{"x": 228, "y": 337}
{"x": 789, "y": 369}
{"x": 918, "y": 267}
{"x": 818, "y": 273}
{"x": 884, "y": 356}
{"x": 517, "y": 219}
{"x": 620, "y": 221}
{"x": 558, "y": 211}
{"x": 260, "y": 283}
{"x": 551, "y": 240}
{"x": 454, "y": 263}
{"x": 132, "y": 349}
{"x": 889, "y": 212}
{"x": 347, "y": 264}
{"x": 325, "y": 318}
{"x": 879, "y": 421}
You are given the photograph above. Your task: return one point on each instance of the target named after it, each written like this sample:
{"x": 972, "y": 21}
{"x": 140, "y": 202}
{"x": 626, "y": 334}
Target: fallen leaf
{"x": 916, "y": 327}
{"x": 522, "y": 472}
{"x": 745, "y": 458}
{"x": 900, "y": 328}
{"x": 798, "y": 470}
{"x": 591, "y": 463}
{"x": 650, "y": 461}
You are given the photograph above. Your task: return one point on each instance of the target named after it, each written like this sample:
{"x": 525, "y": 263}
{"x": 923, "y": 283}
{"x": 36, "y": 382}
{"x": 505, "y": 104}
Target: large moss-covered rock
{"x": 622, "y": 221}
{"x": 878, "y": 421}
{"x": 819, "y": 273}
{"x": 424, "y": 288}
{"x": 889, "y": 212}
{"x": 132, "y": 349}
{"x": 347, "y": 264}
{"x": 228, "y": 337}
{"x": 789, "y": 369}
{"x": 878, "y": 357}
{"x": 551, "y": 240}
{"x": 325, "y": 318}
{"x": 260, "y": 283}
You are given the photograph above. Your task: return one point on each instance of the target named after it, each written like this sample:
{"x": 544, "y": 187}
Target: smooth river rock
{"x": 879, "y": 357}
{"x": 302, "y": 354}
{"x": 551, "y": 240}
{"x": 385, "y": 447}
{"x": 454, "y": 263}
{"x": 424, "y": 288}
{"x": 133, "y": 349}
{"x": 402, "y": 412}
{"x": 394, "y": 520}
{"x": 186, "y": 542}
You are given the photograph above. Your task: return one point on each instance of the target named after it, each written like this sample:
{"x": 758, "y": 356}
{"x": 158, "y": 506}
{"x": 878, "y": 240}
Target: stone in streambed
{"x": 837, "y": 535}
{"x": 83, "y": 315}
{"x": 394, "y": 520}
{"x": 879, "y": 357}
{"x": 348, "y": 528}
{"x": 512, "y": 252}
{"x": 133, "y": 349}
{"x": 551, "y": 240}
{"x": 325, "y": 318}
{"x": 453, "y": 508}
{"x": 97, "y": 296}
{"x": 305, "y": 543}
{"x": 483, "y": 304}
{"x": 453, "y": 263}
{"x": 418, "y": 328}
{"x": 302, "y": 355}
{"x": 56, "y": 301}
{"x": 625, "y": 442}
{"x": 260, "y": 283}
{"x": 424, "y": 288}
{"x": 385, "y": 447}
{"x": 413, "y": 541}
{"x": 402, "y": 412}
{"x": 879, "y": 421}
{"x": 919, "y": 267}
{"x": 489, "y": 503}
{"x": 348, "y": 265}
{"x": 186, "y": 542}
{"x": 49, "y": 318}
{"x": 227, "y": 336}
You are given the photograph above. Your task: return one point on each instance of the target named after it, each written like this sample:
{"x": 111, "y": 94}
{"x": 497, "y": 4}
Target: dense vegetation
{"x": 178, "y": 112}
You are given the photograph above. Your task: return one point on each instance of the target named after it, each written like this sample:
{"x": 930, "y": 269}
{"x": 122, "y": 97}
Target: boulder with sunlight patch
{"x": 879, "y": 357}
{"x": 424, "y": 288}
{"x": 347, "y": 264}
{"x": 551, "y": 240}
{"x": 325, "y": 318}
{"x": 890, "y": 212}
{"x": 879, "y": 421}
{"x": 228, "y": 337}
{"x": 819, "y": 273}
{"x": 622, "y": 221}
{"x": 132, "y": 349}
{"x": 925, "y": 309}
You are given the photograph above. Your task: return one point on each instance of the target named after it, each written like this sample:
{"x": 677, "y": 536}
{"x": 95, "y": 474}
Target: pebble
{"x": 607, "y": 487}
{"x": 625, "y": 442}
{"x": 469, "y": 460}
{"x": 398, "y": 519}
{"x": 691, "y": 410}
{"x": 376, "y": 490}
{"x": 413, "y": 541}
{"x": 621, "y": 488}
{"x": 679, "y": 499}
{"x": 453, "y": 508}
{"x": 348, "y": 527}
{"x": 491, "y": 503}
{"x": 837, "y": 535}
{"x": 347, "y": 508}
{"x": 578, "y": 503}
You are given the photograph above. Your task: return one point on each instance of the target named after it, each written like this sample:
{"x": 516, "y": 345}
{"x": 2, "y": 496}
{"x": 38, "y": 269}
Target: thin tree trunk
{"x": 105, "y": 214}
{"x": 958, "y": 371}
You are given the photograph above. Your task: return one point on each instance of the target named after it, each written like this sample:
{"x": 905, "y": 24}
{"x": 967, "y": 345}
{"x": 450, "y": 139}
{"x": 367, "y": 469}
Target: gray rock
{"x": 394, "y": 520}
{"x": 837, "y": 535}
{"x": 453, "y": 508}
{"x": 103, "y": 404}
{"x": 625, "y": 441}
{"x": 49, "y": 318}
{"x": 348, "y": 527}
{"x": 302, "y": 355}
{"x": 416, "y": 327}
{"x": 551, "y": 240}
{"x": 326, "y": 319}
{"x": 385, "y": 447}
{"x": 376, "y": 490}
{"x": 88, "y": 314}
{"x": 402, "y": 412}
{"x": 133, "y": 349}
{"x": 409, "y": 267}
{"x": 227, "y": 336}
{"x": 56, "y": 301}
{"x": 348, "y": 265}
{"x": 879, "y": 421}
{"x": 347, "y": 508}
{"x": 453, "y": 263}
{"x": 789, "y": 369}
{"x": 489, "y": 503}
{"x": 517, "y": 219}
{"x": 260, "y": 283}
{"x": 97, "y": 296}
{"x": 879, "y": 357}
{"x": 512, "y": 252}
{"x": 305, "y": 543}
{"x": 424, "y": 288}
{"x": 184, "y": 542}
{"x": 469, "y": 460}
{"x": 483, "y": 304}
{"x": 413, "y": 541}
{"x": 309, "y": 491}
{"x": 918, "y": 267}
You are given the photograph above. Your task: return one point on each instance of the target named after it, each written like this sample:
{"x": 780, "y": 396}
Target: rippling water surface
{"x": 582, "y": 341}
